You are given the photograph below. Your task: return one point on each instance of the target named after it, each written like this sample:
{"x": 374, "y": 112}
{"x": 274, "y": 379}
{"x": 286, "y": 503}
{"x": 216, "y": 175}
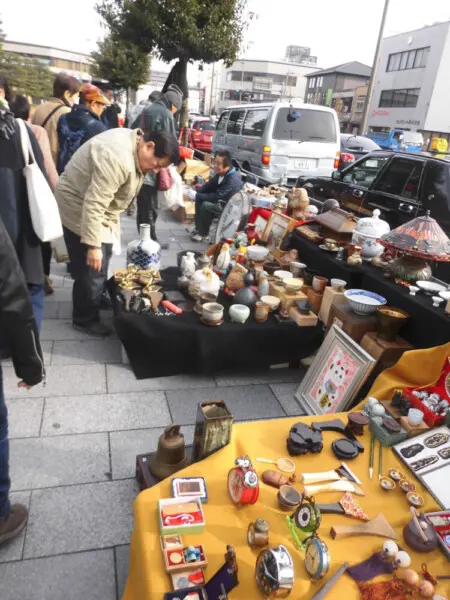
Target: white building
{"x": 412, "y": 88}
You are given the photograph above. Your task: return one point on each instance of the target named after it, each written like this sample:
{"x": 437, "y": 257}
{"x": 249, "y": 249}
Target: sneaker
{"x": 13, "y": 524}
{"x": 96, "y": 329}
{"x": 48, "y": 287}
{"x": 197, "y": 238}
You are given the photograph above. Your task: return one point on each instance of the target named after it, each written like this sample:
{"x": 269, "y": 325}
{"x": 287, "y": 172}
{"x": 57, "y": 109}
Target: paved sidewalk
{"x": 73, "y": 445}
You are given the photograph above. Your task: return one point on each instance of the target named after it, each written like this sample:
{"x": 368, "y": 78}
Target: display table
{"x": 225, "y": 524}
{"x": 159, "y": 346}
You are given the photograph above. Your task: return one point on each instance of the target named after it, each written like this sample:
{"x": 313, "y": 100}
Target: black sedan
{"x": 354, "y": 147}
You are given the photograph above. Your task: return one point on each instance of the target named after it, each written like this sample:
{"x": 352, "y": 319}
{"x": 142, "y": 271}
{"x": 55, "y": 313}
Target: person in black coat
{"x": 18, "y": 326}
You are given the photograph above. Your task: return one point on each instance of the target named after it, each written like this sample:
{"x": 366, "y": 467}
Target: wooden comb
{"x": 378, "y": 526}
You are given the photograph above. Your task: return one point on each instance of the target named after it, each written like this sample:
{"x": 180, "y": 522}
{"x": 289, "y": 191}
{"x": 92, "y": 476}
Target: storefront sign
{"x": 407, "y": 122}
{"x": 380, "y": 113}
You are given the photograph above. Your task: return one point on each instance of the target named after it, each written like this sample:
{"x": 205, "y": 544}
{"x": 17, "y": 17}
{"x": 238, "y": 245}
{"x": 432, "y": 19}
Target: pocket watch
{"x": 274, "y": 572}
{"x": 317, "y": 558}
{"x": 243, "y": 483}
{"x": 305, "y": 521}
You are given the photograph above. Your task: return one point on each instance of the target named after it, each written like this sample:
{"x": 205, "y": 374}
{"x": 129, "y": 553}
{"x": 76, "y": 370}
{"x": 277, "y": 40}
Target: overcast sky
{"x": 337, "y": 32}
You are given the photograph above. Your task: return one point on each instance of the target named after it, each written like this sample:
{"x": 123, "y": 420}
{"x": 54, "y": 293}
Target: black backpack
{"x": 69, "y": 142}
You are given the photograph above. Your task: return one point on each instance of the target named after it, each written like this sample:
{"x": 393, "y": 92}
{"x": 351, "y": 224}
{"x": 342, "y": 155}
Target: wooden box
{"x": 413, "y": 431}
{"x": 315, "y": 300}
{"x": 287, "y": 300}
{"x": 330, "y": 297}
{"x": 309, "y": 320}
{"x": 172, "y": 562}
{"x": 174, "y": 522}
{"x": 384, "y": 352}
{"x": 391, "y": 410}
{"x": 337, "y": 224}
{"x": 354, "y": 325}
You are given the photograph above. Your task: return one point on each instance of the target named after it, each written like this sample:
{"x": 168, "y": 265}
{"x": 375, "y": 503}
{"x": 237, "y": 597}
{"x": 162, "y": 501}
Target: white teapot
{"x": 366, "y": 233}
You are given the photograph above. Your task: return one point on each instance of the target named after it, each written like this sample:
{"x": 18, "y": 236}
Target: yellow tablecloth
{"x": 225, "y": 524}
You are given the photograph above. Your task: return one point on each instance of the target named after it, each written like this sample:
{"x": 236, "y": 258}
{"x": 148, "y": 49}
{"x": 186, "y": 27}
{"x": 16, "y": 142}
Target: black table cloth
{"x": 159, "y": 346}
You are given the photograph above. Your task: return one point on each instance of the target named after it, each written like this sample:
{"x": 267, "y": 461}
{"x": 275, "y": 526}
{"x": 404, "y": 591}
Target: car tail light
{"x": 336, "y": 160}
{"x": 347, "y": 157}
{"x": 265, "y": 159}
{"x": 196, "y": 134}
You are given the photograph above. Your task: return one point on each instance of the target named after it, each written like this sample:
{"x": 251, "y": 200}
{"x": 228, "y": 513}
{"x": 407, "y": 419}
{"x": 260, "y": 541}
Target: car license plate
{"x": 302, "y": 164}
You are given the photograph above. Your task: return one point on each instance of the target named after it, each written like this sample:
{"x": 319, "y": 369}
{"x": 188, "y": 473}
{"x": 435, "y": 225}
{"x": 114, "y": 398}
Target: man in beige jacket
{"x": 65, "y": 93}
{"x": 98, "y": 184}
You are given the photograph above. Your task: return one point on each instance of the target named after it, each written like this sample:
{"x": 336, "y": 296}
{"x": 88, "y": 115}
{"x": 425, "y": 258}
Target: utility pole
{"x": 376, "y": 60}
{"x": 212, "y": 88}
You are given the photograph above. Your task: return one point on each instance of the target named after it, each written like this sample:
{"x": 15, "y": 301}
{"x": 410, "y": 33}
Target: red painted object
{"x": 243, "y": 483}
{"x": 172, "y": 307}
{"x": 202, "y": 134}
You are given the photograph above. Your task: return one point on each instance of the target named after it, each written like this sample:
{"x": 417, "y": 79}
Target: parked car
{"x": 398, "y": 139}
{"x": 278, "y": 141}
{"x": 353, "y": 147}
{"x": 401, "y": 185}
{"x": 202, "y": 131}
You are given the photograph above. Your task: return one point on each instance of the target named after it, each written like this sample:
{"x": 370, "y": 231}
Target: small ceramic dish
{"x": 415, "y": 499}
{"x": 272, "y": 301}
{"x": 281, "y": 275}
{"x": 338, "y": 284}
{"x": 293, "y": 285}
{"x": 430, "y": 287}
{"x": 257, "y": 253}
{"x": 387, "y": 484}
{"x": 407, "y": 486}
{"x": 396, "y": 474}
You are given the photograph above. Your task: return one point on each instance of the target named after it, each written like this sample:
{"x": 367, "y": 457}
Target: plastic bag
{"x": 172, "y": 198}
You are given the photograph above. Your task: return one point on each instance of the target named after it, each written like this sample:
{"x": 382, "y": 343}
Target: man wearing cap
{"x": 81, "y": 124}
{"x": 155, "y": 118}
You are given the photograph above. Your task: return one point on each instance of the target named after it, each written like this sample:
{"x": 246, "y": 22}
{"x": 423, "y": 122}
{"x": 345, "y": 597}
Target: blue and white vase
{"x": 145, "y": 253}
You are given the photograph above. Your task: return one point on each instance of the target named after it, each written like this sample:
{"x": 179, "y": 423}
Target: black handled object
{"x": 331, "y": 509}
{"x": 338, "y": 426}
{"x": 323, "y": 591}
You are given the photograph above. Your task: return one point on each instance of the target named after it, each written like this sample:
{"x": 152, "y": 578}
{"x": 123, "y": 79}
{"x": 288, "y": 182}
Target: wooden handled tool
{"x": 343, "y": 472}
{"x": 378, "y": 526}
{"x": 334, "y": 486}
{"x": 323, "y": 591}
{"x": 347, "y": 505}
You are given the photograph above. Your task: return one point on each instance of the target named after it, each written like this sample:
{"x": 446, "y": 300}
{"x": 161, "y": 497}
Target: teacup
{"x": 415, "y": 417}
{"x": 330, "y": 244}
{"x": 261, "y": 311}
{"x": 212, "y": 312}
{"x": 338, "y": 284}
{"x": 296, "y": 268}
{"x": 319, "y": 284}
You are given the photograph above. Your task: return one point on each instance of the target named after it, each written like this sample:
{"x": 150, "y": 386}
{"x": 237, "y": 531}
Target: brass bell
{"x": 171, "y": 454}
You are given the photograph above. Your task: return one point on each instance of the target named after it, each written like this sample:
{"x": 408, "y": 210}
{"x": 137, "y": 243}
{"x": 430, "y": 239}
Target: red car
{"x": 202, "y": 132}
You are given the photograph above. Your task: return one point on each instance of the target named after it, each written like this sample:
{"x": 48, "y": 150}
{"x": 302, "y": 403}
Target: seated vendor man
{"x": 212, "y": 197}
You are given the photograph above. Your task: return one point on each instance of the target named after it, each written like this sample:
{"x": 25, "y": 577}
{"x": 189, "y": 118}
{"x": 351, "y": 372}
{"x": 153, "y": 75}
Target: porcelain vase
{"x": 188, "y": 265}
{"x": 144, "y": 252}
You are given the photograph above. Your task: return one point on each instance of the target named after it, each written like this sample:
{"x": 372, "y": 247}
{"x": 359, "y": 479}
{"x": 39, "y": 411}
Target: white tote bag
{"x": 43, "y": 206}
{"x": 172, "y": 198}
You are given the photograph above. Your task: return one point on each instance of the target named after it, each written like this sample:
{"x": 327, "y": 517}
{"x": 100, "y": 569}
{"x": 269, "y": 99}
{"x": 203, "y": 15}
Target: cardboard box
{"x": 330, "y": 297}
{"x": 186, "y": 213}
{"x": 287, "y": 300}
{"x": 196, "y": 167}
{"x": 309, "y": 320}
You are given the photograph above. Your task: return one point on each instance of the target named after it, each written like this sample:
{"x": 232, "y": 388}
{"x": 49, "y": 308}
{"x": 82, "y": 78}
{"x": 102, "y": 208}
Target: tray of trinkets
{"x": 434, "y": 399}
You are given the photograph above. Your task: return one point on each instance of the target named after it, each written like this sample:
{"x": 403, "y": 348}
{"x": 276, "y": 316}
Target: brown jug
{"x": 171, "y": 454}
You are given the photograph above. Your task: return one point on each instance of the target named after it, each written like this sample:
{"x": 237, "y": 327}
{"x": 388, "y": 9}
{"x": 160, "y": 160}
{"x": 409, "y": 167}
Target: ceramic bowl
{"x": 415, "y": 499}
{"x": 288, "y": 498}
{"x": 272, "y": 301}
{"x": 387, "y": 484}
{"x": 271, "y": 266}
{"x": 212, "y": 311}
{"x": 407, "y": 486}
{"x": 293, "y": 285}
{"x": 363, "y": 302}
{"x": 257, "y": 253}
{"x": 338, "y": 284}
{"x": 296, "y": 268}
{"x": 430, "y": 288}
{"x": 281, "y": 275}
{"x": 395, "y": 474}
{"x": 239, "y": 313}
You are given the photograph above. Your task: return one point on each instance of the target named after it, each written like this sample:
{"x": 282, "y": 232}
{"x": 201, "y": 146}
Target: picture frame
{"x": 335, "y": 376}
{"x": 260, "y": 225}
{"x": 278, "y": 226}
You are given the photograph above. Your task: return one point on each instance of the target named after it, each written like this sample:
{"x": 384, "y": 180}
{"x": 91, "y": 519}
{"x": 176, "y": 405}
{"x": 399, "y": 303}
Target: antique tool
{"x": 372, "y": 450}
{"x": 258, "y": 533}
{"x": 274, "y": 572}
{"x": 380, "y": 461}
{"x": 419, "y": 534}
{"x": 342, "y": 472}
{"x": 289, "y": 498}
{"x": 334, "y": 486}
{"x": 243, "y": 484}
{"x": 347, "y": 505}
{"x": 317, "y": 558}
{"x": 155, "y": 299}
{"x": 284, "y": 464}
{"x": 378, "y": 526}
{"x": 328, "y": 586}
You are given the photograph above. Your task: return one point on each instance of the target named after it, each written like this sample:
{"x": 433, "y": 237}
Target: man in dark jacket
{"x": 155, "y": 118}
{"x": 17, "y": 324}
{"x": 212, "y": 197}
{"x": 81, "y": 124}
{"x": 110, "y": 116}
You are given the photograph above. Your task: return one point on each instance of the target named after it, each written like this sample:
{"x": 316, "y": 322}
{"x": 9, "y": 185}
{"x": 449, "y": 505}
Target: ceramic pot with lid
{"x": 207, "y": 280}
{"x": 366, "y": 233}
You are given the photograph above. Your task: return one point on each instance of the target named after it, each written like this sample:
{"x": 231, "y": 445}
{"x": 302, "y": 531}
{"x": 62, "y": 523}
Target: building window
{"x": 399, "y": 98}
{"x": 360, "y": 101}
{"x": 312, "y": 82}
{"x": 319, "y": 81}
{"x": 412, "y": 59}
{"x": 262, "y": 83}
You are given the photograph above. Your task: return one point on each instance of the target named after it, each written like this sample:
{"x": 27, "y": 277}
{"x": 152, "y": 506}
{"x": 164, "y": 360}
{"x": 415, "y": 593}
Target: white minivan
{"x": 280, "y": 142}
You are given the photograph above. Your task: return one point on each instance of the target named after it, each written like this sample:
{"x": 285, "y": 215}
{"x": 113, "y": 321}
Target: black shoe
{"x": 164, "y": 246}
{"x": 105, "y": 303}
{"x": 96, "y": 329}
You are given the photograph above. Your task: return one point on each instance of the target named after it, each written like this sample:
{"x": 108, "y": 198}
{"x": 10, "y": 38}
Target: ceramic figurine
{"x": 188, "y": 265}
{"x": 252, "y": 235}
{"x": 207, "y": 280}
{"x": 263, "y": 284}
{"x": 311, "y": 211}
{"x": 246, "y": 295}
{"x": 224, "y": 258}
{"x": 144, "y": 253}
{"x": 240, "y": 240}
{"x": 355, "y": 258}
{"x": 235, "y": 280}
{"x": 203, "y": 262}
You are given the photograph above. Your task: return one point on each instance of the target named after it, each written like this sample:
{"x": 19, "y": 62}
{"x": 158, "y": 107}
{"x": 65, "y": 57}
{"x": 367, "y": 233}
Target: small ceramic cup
{"x": 296, "y": 268}
{"x": 239, "y": 313}
{"x": 415, "y": 417}
{"x": 330, "y": 244}
{"x": 413, "y": 290}
{"x": 437, "y": 301}
{"x": 319, "y": 284}
{"x": 338, "y": 284}
{"x": 261, "y": 311}
{"x": 212, "y": 312}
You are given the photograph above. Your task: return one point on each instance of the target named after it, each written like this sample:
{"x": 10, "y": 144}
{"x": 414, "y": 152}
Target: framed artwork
{"x": 260, "y": 225}
{"x": 277, "y": 227}
{"x": 335, "y": 376}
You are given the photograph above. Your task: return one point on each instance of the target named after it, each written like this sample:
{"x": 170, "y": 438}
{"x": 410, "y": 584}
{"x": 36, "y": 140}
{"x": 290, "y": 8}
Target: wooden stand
{"x": 287, "y": 300}
{"x": 315, "y": 300}
{"x": 413, "y": 431}
{"x": 354, "y": 325}
{"x": 309, "y": 320}
{"x": 385, "y": 353}
{"x": 391, "y": 410}
{"x": 330, "y": 297}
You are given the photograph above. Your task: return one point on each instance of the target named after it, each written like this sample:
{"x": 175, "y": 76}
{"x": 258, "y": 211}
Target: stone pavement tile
{"x": 80, "y": 517}
{"x": 57, "y": 279}
{"x": 61, "y": 294}
{"x": 169, "y": 259}
{"x": 62, "y": 380}
{"x": 126, "y": 445}
{"x": 24, "y": 417}
{"x": 285, "y": 393}
{"x": 257, "y": 377}
{"x": 54, "y": 461}
{"x": 121, "y": 379}
{"x": 46, "y": 346}
{"x": 58, "y": 329}
{"x": 51, "y": 310}
{"x": 86, "y": 575}
{"x": 245, "y": 402}
{"x": 108, "y": 412}
{"x": 13, "y": 549}
{"x": 65, "y": 310}
{"x": 68, "y": 281}
{"x": 86, "y": 352}
{"x": 122, "y": 566}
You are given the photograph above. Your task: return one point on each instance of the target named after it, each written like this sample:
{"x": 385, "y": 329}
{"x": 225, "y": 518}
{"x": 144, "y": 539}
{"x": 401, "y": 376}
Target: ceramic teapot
{"x": 366, "y": 233}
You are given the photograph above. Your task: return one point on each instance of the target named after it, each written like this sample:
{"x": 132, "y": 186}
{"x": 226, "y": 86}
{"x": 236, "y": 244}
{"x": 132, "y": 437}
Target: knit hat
{"x": 174, "y": 96}
{"x": 91, "y": 93}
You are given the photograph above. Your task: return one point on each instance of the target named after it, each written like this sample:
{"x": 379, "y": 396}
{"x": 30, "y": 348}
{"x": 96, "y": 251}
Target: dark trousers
{"x": 88, "y": 285}
{"x": 46, "y": 250}
{"x": 4, "y": 454}
{"x": 36, "y": 293}
{"x": 204, "y": 214}
{"x": 147, "y": 208}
